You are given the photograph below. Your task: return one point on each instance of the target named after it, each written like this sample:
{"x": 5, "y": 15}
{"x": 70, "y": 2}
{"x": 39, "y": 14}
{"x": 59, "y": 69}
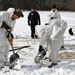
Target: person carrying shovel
{"x": 7, "y": 22}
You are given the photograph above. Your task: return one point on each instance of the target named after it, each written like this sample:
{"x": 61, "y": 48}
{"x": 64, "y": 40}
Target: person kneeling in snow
{"x": 55, "y": 38}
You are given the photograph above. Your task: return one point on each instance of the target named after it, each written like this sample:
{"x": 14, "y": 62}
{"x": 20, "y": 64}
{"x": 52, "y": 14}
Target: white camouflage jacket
{"x": 6, "y": 16}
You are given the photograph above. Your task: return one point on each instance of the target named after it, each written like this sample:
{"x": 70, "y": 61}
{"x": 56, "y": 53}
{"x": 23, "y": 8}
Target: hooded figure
{"x": 7, "y": 22}
{"x": 54, "y": 12}
{"x": 55, "y": 38}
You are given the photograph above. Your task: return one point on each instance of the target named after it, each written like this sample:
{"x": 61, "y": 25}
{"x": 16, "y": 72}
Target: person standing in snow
{"x": 33, "y": 20}
{"x": 55, "y": 39}
{"x": 57, "y": 15}
{"x": 7, "y": 22}
{"x": 54, "y": 12}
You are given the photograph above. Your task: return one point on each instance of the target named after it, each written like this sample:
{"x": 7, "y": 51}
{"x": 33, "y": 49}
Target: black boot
{"x": 36, "y": 36}
{"x": 62, "y": 47}
{"x": 52, "y": 64}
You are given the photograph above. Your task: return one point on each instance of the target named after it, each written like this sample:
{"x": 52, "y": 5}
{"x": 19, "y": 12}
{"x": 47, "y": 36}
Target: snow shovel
{"x": 15, "y": 57}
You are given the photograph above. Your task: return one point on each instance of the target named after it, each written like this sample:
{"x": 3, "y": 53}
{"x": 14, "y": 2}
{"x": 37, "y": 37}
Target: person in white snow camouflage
{"x": 7, "y": 22}
{"x": 54, "y": 12}
{"x": 55, "y": 38}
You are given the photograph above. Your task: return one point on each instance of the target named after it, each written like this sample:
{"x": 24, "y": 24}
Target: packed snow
{"x": 27, "y": 55}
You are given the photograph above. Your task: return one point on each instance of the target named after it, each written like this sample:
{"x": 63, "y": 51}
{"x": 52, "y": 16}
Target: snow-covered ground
{"x": 27, "y": 55}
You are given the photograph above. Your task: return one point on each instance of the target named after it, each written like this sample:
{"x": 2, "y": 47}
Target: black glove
{"x": 46, "y": 23}
{"x": 51, "y": 18}
{"x": 4, "y": 25}
{"x": 10, "y": 34}
{"x": 40, "y": 48}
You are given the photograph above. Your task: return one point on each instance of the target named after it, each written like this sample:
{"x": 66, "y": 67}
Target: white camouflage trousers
{"x": 4, "y": 47}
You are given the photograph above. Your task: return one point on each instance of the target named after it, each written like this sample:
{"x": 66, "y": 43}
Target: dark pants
{"x": 32, "y": 31}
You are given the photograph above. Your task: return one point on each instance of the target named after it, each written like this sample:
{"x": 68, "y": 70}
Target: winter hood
{"x": 11, "y": 11}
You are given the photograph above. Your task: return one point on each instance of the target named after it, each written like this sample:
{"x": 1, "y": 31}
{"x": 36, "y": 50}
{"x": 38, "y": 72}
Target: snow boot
{"x": 52, "y": 64}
